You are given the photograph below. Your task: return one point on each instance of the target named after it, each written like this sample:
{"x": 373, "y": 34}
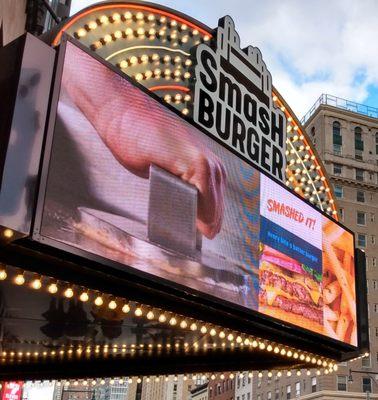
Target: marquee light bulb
{"x": 138, "y": 311}
{"x": 107, "y": 38}
{"x": 129, "y": 31}
{"x": 36, "y": 283}
{"x": 92, "y": 25}
{"x": 150, "y": 315}
{"x": 19, "y": 279}
{"x": 213, "y": 332}
{"x": 112, "y": 305}
{"x": 133, "y": 60}
{"x": 116, "y": 17}
{"x": 118, "y": 34}
{"x": 279, "y": 374}
{"x": 193, "y": 326}
{"x": 288, "y": 373}
{"x": 99, "y": 301}
{"x": 81, "y": 32}
{"x": 203, "y": 329}
{"x": 260, "y": 375}
{"x": 139, "y": 15}
{"x": 84, "y": 297}
{"x": 162, "y": 318}
{"x": 104, "y": 19}
{"x": 68, "y": 293}
{"x": 173, "y": 321}
{"x": 183, "y": 324}
{"x": 230, "y": 337}
{"x": 3, "y": 274}
{"x": 255, "y": 343}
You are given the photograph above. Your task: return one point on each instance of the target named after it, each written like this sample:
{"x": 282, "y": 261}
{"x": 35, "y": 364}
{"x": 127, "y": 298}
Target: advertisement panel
{"x": 12, "y": 390}
{"x": 131, "y": 181}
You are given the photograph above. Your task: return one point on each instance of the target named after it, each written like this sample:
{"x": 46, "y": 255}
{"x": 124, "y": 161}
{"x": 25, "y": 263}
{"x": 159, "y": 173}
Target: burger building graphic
{"x": 233, "y": 100}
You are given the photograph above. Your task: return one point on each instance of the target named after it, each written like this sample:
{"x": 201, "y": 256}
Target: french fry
{"x": 329, "y": 330}
{"x": 353, "y": 337}
{"x": 330, "y": 315}
{"x": 344, "y": 303}
{"x": 342, "y": 326}
{"x": 331, "y": 291}
{"x": 339, "y": 272}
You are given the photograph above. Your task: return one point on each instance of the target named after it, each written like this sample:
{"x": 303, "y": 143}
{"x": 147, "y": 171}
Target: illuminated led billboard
{"x": 131, "y": 181}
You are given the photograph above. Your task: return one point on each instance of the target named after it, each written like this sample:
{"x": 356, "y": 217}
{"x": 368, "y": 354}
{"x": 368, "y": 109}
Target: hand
{"x": 140, "y": 132}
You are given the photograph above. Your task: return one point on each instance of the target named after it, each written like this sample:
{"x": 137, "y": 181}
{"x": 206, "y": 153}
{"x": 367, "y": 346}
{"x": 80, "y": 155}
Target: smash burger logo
{"x": 233, "y": 100}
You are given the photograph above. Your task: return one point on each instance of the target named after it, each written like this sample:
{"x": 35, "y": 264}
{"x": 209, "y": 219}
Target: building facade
{"x": 243, "y": 386}
{"x": 200, "y": 392}
{"x": 345, "y": 135}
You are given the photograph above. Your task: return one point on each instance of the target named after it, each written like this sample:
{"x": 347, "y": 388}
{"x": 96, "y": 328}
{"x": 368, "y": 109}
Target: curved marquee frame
{"x": 152, "y": 43}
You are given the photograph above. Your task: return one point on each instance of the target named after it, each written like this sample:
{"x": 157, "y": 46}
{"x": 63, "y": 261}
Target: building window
{"x": 366, "y": 363}
{"x": 376, "y": 143}
{"x": 372, "y": 239}
{"x": 313, "y": 384}
{"x": 337, "y": 138}
{"x": 361, "y": 196}
{"x": 366, "y": 385}
{"x": 359, "y": 174}
{"x": 361, "y": 240}
{"x": 258, "y": 397}
{"x": 337, "y": 169}
{"x": 361, "y": 218}
{"x": 358, "y": 143}
{"x": 276, "y": 394}
{"x": 341, "y": 381}
{"x": 338, "y": 191}
{"x": 259, "y": 380}
{"x": 269, "y": 395}
{"x": 373, "y": 262}
{"x": 313, "y": 131}
{"x": 372, "y": 217}
{"x": 341, "y": 213}
{"x": 375, "y": 307}
{"x": 297, "y": 388}
{"x": 249, "y": 396}
{"x": 288, "y": 392}
{"x": 375, "y": 284}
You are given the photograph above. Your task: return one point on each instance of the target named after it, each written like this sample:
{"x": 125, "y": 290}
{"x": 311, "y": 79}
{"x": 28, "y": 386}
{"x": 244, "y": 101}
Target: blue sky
{"x": 311, "y": 47}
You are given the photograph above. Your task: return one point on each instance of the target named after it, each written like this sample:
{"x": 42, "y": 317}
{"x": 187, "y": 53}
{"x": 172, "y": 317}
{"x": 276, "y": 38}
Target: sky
{"x": 310, "y": 46}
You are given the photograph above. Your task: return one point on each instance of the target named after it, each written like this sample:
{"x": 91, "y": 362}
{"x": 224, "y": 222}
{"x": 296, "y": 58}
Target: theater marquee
{"x": 153, "y": 204}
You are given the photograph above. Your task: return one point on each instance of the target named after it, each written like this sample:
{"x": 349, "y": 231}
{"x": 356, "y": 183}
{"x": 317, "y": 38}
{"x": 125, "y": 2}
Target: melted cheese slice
{"x": 272, "y": 293}
{"x": 314, "y": 293}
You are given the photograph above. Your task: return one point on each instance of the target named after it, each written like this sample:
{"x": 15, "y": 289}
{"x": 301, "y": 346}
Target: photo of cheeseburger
{"x": 290, "y": 291}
